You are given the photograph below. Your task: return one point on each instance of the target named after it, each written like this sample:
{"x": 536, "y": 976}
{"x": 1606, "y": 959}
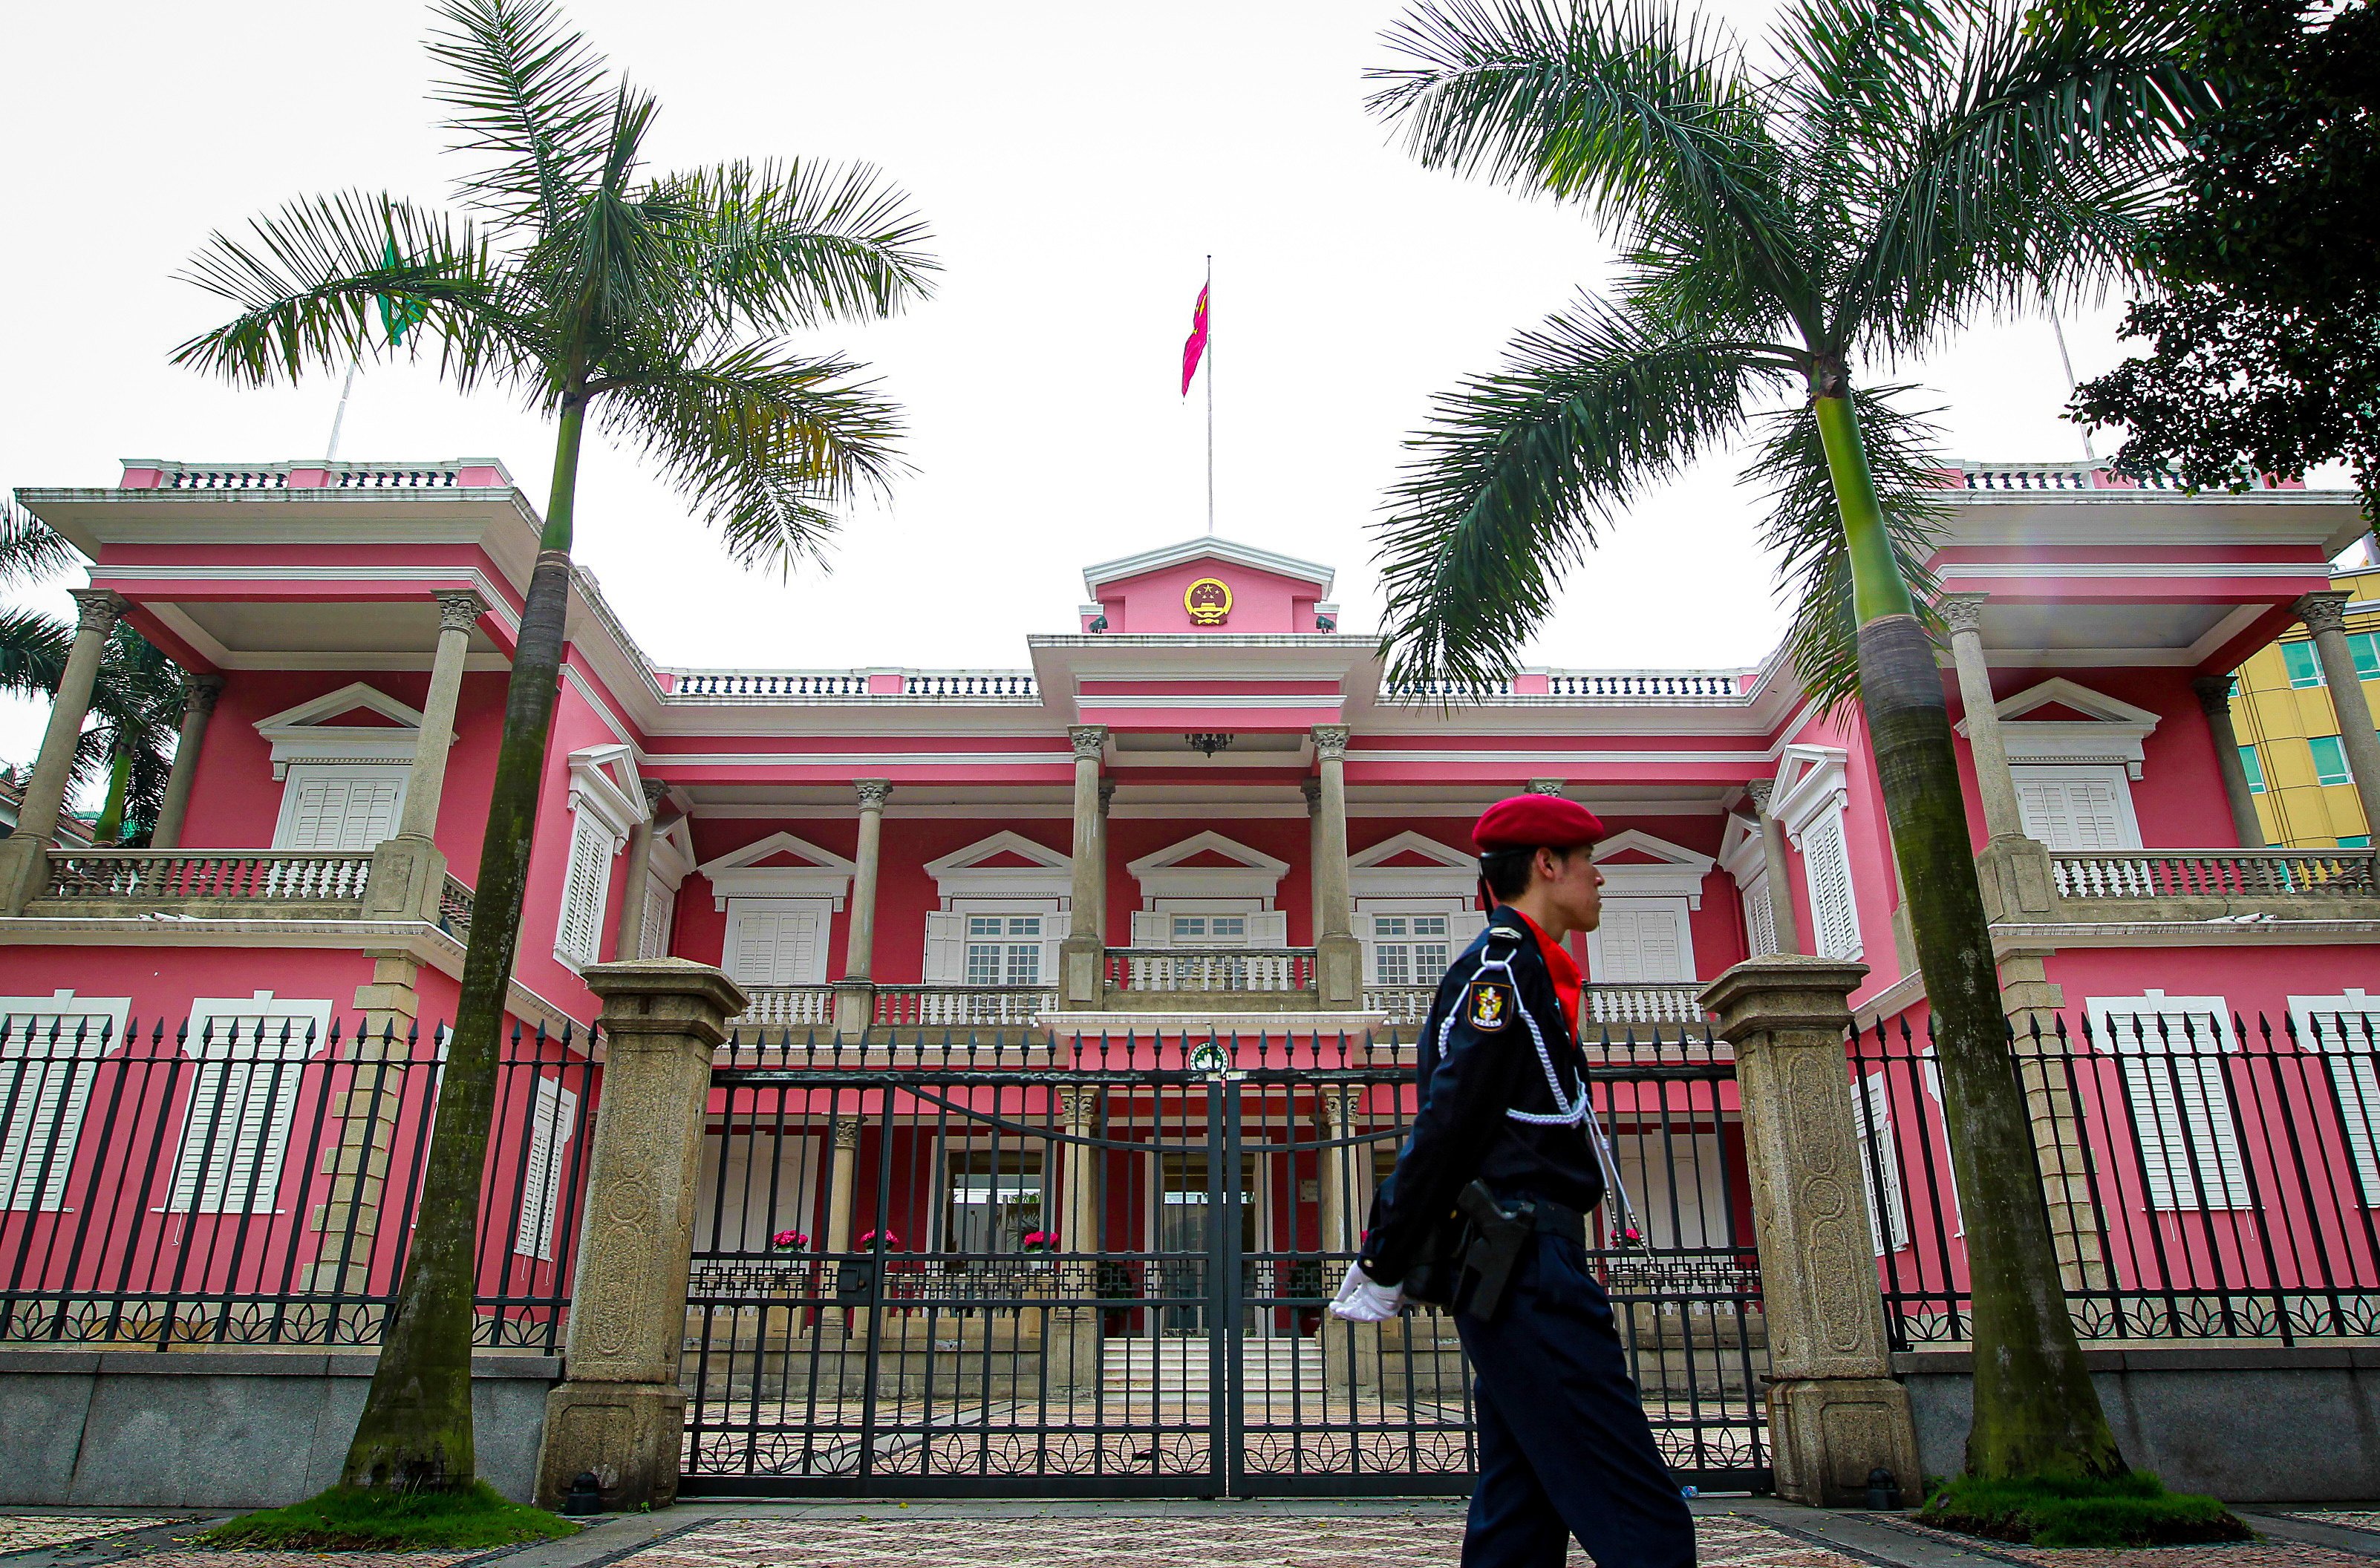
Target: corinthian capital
{"x": 459, "y": 610}
{"x": 98, "y": 610}
{"x": 1760, "y": 789}
{"x": 199, "y": 693}
{"x": 2324, "y": 611}
{"x": 2213, "y": 694}
{"x": 1090, "y": 739}
{"x": 1963, "y": 612}
{"x": 1331, "y": 742}
{"x": 873, "y": 792}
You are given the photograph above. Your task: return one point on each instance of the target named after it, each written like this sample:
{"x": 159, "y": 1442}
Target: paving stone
{"x": 2268, "y": 1552}
{"x": 2341, "y": 1518}
{"x": 32, "y": 1532}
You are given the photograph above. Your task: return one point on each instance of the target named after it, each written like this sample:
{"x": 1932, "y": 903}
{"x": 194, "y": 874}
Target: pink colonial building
{"x": 1199, "y": 817}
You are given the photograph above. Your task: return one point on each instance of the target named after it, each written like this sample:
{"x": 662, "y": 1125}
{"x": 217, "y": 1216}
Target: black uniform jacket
{"x": 1471, "y": 1074}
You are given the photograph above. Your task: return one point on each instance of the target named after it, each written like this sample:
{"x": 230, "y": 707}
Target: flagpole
{"x": 1210, "y": 355}
{"x": 341, "y": 416}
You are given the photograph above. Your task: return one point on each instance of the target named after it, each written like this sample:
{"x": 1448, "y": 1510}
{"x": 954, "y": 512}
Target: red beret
{"x": 1529, "y": 822}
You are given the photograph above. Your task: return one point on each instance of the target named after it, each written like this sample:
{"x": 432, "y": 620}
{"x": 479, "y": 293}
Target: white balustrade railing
{"x": 836, "y": 685}
{"x": 1597, "y": 1004}
{"x": 2215, "y": 874}
{"x": 1445, "y": 691}
{"x": 1211, "y": 968}
{"x": 777, "y": 1006}
{"x": 1641, "y": 683}
{"x": 929, "y": 1007}
{"x": 171, "y": 877}
{"x": 2071, "y": 477}
{"x": 330, "y": 474}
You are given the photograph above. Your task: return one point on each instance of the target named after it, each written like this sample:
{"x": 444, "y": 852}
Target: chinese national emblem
{"x": 1208, "y": 600}
{"x": 1490, "y": 1006}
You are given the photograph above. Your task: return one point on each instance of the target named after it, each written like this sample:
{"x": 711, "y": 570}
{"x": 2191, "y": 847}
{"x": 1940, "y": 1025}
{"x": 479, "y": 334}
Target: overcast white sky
{"x": 1076, "y": 162}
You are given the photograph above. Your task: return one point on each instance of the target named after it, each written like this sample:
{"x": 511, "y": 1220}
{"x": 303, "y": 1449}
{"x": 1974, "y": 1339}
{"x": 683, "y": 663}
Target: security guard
{"x": 1564, "y": 1448}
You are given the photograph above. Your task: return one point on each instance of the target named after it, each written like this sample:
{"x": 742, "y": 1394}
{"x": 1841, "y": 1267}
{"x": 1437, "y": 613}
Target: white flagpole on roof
{"x": 1208, "y": 354}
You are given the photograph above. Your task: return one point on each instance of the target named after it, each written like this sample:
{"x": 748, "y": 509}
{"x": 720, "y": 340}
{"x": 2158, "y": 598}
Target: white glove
{"x": 1361, "y": 1301}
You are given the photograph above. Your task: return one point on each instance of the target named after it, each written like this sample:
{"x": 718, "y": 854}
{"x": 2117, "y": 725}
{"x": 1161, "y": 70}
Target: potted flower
{"x": 1037, "y": 1245}
{"x": 869, "y": 1240}
{"x": 789, "y": 1241}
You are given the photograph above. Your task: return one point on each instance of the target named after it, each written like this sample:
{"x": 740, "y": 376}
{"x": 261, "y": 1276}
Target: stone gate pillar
{"x": 621, "y": 1413}
{"x": 1834, "y": 1411}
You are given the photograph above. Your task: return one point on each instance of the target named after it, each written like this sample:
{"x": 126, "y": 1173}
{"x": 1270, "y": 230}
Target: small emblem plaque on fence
{"x": 1209, "y": 1057}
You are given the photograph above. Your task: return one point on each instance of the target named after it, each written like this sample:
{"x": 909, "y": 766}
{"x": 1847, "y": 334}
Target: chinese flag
{"x": 1194, "y": 347}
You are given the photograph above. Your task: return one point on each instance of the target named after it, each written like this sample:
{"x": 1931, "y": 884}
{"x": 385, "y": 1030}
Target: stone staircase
{"x": 1177, "y": 1367}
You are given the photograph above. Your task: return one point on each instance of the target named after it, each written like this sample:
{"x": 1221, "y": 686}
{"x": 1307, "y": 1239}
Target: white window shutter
{"x": 1463, "y": 927}
{"x": 47, "y": 1063}
{"x": 1759, "y": 918}
{"x": 1151, "y": 928}
{"x": 2344, "y": 1030}
{"x": 585, "y": 887}
{"x": 1880, "y": 1162}
{"x": 2181, "y": 1107}
{"x": 334, "y": 808}
{"x": 945, "y": 947}
{"x": 236, "y": 1123}
{"x": 553, "y": 1118}
{"x": 1055, "y": 928}
{"x": 1268, "y": 928}
{"x": 659, "y": 919}
{"x": 1827, "y": 860}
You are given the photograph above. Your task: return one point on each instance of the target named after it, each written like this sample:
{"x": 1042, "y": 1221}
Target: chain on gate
{"x": 997, "y": 1267}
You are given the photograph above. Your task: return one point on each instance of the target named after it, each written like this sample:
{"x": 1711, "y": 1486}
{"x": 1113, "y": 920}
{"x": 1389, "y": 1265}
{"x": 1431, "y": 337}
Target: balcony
{"x": 1617, "y": 1005}
{"x": 2213, "y": 884}
{"x": 223, "y": 885}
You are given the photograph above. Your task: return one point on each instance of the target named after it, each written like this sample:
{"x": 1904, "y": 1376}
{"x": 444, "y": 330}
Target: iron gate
{"x": 1003, "y": 1266}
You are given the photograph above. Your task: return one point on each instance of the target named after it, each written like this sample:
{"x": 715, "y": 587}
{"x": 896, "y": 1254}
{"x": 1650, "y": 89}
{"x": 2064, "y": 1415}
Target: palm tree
{"x": 33, "y": 646}
{"x": 139, "y": 697}
{"x": 1893, "y": 169}
{"x": 656, "y": 304}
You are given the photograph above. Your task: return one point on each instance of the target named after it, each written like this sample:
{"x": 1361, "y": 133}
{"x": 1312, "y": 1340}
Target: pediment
{"x": 358, "y": 723}
{"x": 1209, "y": 865}
{"x": 779, "y": 867}
{"x": 1810, "y": 779}
{"x": 2064, "y": 722}
{"x": 1204, "y": 549}
{"x": 1411, "y": 865}
{"x": 1636, "y": 864}
{"x": 1007, "y": 864}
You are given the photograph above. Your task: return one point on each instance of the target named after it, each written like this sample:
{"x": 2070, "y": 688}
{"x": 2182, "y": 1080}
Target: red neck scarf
{"x": 1561, "y": 966}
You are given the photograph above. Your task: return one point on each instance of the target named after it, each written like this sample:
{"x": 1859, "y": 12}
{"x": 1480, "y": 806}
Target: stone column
{"x": 841, "y": 1190}
{"x": 197, "y": 709}
{"x": 2215, "y": 696}
{"x": 1995, "y": 783}
{"x": 24, "y": 856}
{"x": 1081, "y": 958}
{"x": 1107, "y": 807}
{"x": 635, "y": 890}
{"x": 2325, "y": 616}
{"x": 855, "y": 993}
{"x": 1071, "y": 1330}
{"x": 1350, "y": 1352}
{"x": 1337, "y": 957}
{"x": 369, "y": 1111}
{"x": 2014, "y": 870}
{"x": 1780, "y": 872}
{"x": 1834, "y": 1411}
{"x": 1548, "y": 786}
{"x": 409, "y": 874}
{"x": 2054, "y": 1108}
{"x": 622, "y": 1414}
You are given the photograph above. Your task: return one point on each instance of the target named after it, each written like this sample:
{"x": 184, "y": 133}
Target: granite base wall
{"x": 227, "y": 1428}
{"x": 2246, "y": 1423}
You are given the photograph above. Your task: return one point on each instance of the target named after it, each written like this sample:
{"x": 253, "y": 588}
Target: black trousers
{"x": 1564, "y": 1448}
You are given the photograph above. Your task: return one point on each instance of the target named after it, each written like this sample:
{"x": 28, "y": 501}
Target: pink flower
{"x": 1038, "y": 1241}
{"x": 892, "y": 1242}
{"x": 790, "y": 1241}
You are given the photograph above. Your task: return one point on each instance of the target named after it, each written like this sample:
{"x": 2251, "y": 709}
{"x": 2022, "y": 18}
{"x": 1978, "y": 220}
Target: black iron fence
{"x": 2205, "y": 1178}
{"x": 253, "y": 1180}
{"x": 1001, "y": 1265}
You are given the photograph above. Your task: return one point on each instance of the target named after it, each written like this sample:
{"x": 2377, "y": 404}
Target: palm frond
{"x": 307, "y": 278}
{"x": 530, "y": 105}
{"x": 30, "y": 549}
{"x": 767, "y": 445}
{"x": 1623, "y": 105}
{"x": 1506, "y": 489}
{"x": 1804, "y": 528}
{"x": 2027, "y": 171}
{"x": 33, "y": 648}
{"x": 789, "y": 245}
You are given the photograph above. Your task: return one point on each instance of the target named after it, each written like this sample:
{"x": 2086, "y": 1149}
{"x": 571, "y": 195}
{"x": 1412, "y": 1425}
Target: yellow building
{"x": 2288, "y": 731}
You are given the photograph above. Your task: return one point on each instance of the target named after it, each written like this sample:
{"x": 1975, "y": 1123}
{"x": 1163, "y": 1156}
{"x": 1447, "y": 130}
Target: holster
{"x": 1468, "y": 1258}
{"x": 1497, "y": 1237}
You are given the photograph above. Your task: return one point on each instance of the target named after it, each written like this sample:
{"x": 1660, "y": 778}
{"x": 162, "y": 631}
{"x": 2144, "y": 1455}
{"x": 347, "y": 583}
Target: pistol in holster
{"x": 1497, "y": 1237}
{"x": 1469, "y": 1258}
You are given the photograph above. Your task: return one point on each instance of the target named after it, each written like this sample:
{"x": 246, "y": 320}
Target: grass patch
{"x": 2131, "y": 1510}
{"x": 354, "y": 1518}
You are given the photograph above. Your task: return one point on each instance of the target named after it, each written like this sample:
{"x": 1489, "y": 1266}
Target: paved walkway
{"x": 1733, "y": 1533}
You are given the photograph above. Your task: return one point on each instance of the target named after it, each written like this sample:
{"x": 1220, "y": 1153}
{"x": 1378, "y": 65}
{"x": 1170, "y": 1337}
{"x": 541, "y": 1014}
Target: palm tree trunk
{"x": 416, "y": 1428}
{"x": 110, "y": 826}
{"x": 2036, "y": 1412}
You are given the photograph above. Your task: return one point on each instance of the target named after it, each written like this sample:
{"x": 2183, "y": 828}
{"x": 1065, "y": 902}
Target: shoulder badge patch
{"x": 1488, "y": 1004}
